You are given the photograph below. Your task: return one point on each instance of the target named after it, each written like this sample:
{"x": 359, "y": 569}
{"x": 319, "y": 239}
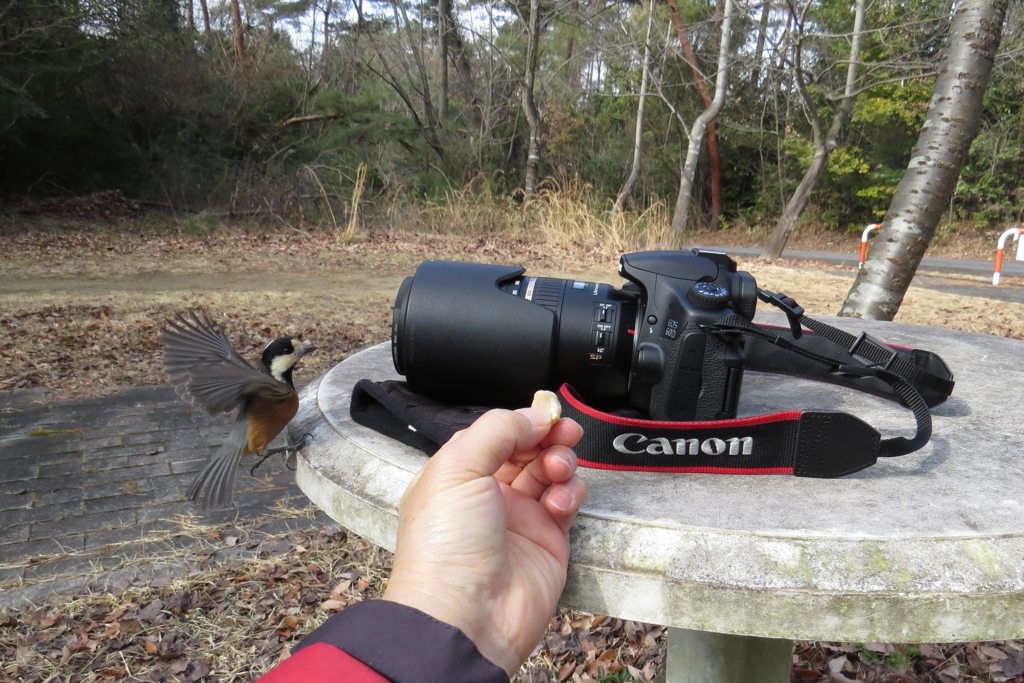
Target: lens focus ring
{"x": 547, "y": 292}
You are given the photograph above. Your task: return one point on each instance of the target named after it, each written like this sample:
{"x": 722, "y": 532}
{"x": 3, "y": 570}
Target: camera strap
{"x": 803, "y": 443}
{"x": 925, "y": 370}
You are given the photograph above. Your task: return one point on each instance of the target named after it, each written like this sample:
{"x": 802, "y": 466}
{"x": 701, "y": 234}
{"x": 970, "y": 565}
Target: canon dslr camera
{"x": 477, "y": 334}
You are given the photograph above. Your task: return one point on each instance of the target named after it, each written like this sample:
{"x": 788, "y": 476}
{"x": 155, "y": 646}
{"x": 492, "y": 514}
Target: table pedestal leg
{"x": 701, "y": 657}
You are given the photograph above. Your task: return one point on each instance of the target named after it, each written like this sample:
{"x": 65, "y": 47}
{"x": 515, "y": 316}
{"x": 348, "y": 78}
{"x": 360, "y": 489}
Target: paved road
{"x": 928, "y": 264}
{"x": 930, "y": 274}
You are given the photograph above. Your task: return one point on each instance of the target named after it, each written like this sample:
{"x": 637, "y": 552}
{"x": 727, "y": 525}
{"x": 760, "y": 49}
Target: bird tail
{"x": 215, "y": 483}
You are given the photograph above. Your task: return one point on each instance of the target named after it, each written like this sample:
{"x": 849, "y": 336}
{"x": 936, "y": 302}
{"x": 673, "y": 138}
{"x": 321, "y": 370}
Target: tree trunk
{"x": 634, "y": 173}
{"x": 529, "y": 104}
{"x": 700, "y": 125}
{"x": 206, "y": 16}
{"x": 699, "y": 80}
{"x": 822, "y": 148}
{"x": 755, "y": 76}
{"x": 573, "y": 70}
{"x": 443, "y": 12}
{"x": 191, "y": 14}
{"x": 458, "y": 56}
{"x": 952, "y": 122}
{"x": 327, "y": 29}
{"x": 236, "y": 19}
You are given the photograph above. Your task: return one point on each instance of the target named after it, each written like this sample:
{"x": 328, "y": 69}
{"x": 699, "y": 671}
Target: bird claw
{"x": 290, "y": 450}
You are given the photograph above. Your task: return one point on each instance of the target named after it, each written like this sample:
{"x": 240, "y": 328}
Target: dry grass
{"x": 565, "y": 217}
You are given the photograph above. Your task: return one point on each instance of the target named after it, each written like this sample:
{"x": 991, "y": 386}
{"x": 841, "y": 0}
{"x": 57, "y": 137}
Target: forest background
{"x": 317, "y": 110}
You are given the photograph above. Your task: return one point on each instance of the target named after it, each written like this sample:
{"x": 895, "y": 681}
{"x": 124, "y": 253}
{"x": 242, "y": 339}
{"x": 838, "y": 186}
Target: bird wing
{"x": 207, "y": 371}
{"x": 215, "y": 484}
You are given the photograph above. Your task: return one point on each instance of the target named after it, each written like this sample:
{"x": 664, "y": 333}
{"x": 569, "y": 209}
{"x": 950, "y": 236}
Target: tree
{"x": 529, "y": 101}
{"x": 206, "y": 16}
{"x": 416, "y": 78}
{"x": 634, "y": 172}
{"x": 236, "y": 20}
{"x": 689, "y": 166}
{"x": 823, "y": 146}
{"x": 443, "y": 15}
{"x": 700, "y": 80}
{"x": 952, "y": 122}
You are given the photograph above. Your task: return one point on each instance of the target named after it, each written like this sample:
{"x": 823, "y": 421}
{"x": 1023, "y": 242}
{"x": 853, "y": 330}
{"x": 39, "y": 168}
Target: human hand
{"x": 483, "y": 531}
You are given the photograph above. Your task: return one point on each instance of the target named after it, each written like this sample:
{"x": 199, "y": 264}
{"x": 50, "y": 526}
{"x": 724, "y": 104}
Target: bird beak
{"x": 307, "y": 349}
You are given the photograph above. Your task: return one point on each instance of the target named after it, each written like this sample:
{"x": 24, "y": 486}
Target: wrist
{"x": 455, "y": 613}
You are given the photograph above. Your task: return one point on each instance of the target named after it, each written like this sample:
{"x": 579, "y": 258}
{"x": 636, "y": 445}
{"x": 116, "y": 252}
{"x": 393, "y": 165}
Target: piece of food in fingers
{"x": 548, "y": 402}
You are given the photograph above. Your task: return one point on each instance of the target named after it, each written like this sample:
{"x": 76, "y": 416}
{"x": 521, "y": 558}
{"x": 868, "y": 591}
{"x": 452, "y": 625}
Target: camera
{"x": 479, "y": 334}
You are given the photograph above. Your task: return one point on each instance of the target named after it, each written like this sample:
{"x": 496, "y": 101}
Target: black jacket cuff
{"x": 405, "y": 645}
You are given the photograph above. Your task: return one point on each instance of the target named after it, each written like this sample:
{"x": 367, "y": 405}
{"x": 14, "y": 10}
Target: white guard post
{"x": 1015, "y": 231}
{"x": 864, "y": 242}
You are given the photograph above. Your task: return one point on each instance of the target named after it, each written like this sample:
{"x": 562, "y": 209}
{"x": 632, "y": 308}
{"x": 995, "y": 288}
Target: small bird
{"x": 207, "y": 371}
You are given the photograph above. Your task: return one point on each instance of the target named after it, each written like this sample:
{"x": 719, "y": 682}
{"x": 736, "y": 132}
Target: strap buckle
{"x": 787, "y": 305}
{"x": 878, "y": 347}
{"x": 855, "y": 371}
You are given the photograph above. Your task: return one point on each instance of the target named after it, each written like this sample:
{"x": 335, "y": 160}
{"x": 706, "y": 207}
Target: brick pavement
{"x": 76, "y": 476}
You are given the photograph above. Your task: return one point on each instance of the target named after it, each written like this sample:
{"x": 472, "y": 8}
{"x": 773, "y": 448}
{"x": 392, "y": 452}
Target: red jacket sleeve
{"x": 322, "y": 663}
{"x": 379, "y": 641}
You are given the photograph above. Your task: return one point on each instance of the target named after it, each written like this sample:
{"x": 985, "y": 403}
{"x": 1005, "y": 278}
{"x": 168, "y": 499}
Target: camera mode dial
{"x": 708, "y": 296}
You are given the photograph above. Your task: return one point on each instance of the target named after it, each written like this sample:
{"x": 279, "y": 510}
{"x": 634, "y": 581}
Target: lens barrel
{"x": 485, "y": 334}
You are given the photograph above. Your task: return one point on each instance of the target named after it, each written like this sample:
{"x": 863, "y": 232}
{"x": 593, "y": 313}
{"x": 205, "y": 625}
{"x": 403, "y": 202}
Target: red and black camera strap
{"x": 802, "y": 443}
{"x": 808, "y": 444}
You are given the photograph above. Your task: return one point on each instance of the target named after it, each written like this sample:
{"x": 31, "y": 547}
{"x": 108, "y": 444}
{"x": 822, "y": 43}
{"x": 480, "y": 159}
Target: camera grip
{"x": 696, "y": 380}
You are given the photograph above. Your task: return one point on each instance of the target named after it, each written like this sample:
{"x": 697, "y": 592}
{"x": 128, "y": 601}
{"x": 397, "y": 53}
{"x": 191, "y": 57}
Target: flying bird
{"x": 207, "y": 372}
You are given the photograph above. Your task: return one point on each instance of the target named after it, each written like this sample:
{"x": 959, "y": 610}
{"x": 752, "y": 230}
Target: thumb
{"x": 482, "y": 448}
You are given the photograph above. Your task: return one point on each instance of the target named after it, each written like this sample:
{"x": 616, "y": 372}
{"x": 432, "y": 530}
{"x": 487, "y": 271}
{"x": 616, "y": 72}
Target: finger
{"x": 486, "y": 444}
{"x": 555, "y": 465}
{"x": 566, "y": 432}
{"x": 509, "y": 470}
{"x": 563, "y": 501}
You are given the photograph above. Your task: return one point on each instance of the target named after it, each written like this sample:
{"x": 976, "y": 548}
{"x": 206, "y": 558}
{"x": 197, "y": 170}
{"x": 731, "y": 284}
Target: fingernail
{"x": 538, "y": 417}
{"x": 566, "y": 459}
{"x": 560, "y": 500}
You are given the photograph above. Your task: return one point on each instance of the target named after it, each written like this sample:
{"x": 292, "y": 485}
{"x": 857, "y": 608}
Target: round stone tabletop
{"x": 927, "y": 547}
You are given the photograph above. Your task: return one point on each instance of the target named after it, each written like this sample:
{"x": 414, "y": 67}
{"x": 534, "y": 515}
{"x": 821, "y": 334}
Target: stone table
{"x": 927, "y": 547}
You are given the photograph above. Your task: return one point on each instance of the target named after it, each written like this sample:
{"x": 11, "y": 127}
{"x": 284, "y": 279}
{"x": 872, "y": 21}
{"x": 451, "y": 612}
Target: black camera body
{"x": 482, "y": 334}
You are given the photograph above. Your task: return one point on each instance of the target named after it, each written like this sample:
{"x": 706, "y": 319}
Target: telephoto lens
{"x": 478, "y": 334}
